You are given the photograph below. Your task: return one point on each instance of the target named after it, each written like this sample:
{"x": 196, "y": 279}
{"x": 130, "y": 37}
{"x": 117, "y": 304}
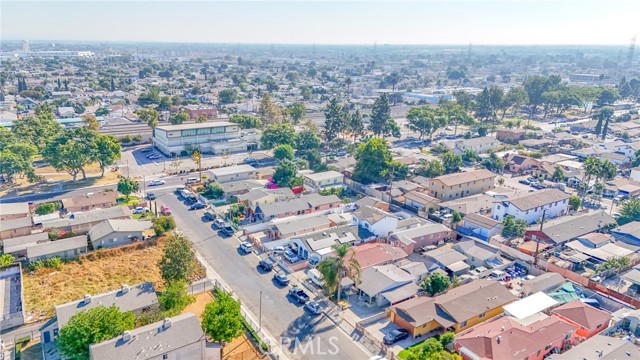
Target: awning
{"x": 458, "y": 266}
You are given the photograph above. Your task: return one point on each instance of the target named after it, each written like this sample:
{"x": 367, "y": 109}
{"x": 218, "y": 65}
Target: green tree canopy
{"x": 71, "y": 150}
{"x": 435, "y": 283}
{"x": 278, "y": 134}
{"x": 373, "y": 161}
{"x": 514, "y": 227}
{"x": 246, "y": 121}
{"x": 308, "y": 140}
{"x": 228, "y": 96}
{"x": 46, "y": 208}
{"x": 222, "y": 319}
{"x": 178, "y": 260}
{"x": 178, "y": 118}
{"x": 163, "y": 224}
{"x": 629, "y": 211}
{"x": 332, "y": 268}
{"x": 285, "y": 174}
{"x": 92, "y": 326}
{"x": 452, "y": 163}
{"x": 213, "y": 190}
{"x": 106, "y": 151}
{"x": 39, "y": 130}
{"x": 297, "y": 111}
{"x": 380, "y": 114}
{"x": 431, "y": 169}
{"x": 574, "y": 202}
{"x": 175, "y": 298}
{"x": 127, "y": 186}
{"x": 148, "y": 116}
{"x": 283, "y": 152}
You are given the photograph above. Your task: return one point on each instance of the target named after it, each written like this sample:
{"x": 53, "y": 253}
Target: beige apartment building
{"x": 462, "y": 184}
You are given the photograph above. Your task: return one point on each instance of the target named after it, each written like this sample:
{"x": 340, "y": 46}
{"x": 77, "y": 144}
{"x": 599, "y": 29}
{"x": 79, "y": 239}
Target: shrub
{"x": 137, "y": 138}
{"x": 126, "y": 139}
{"x": 163, "y": 224}
{"x": 46, "y": 208}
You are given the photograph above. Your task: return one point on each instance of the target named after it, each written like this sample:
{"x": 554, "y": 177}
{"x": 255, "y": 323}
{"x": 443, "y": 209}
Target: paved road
{"x": 318, "y": 337}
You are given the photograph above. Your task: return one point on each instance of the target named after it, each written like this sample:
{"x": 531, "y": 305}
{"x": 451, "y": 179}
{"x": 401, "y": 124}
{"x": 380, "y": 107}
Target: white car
{"x": 157, "y": 182}
{"x": 278, "y": 250}
{"x": 246, "y": 246}
{"x": 141, "y": 210}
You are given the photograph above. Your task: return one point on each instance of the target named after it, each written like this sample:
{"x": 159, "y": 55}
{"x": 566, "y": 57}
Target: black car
{"x": 265, "y": 265}
{"x": 227, "y": 230}
{"x": 395, "y": 335}
{"x": 198, "y": 206}
{"x": 281, "y": 279}
{"x": 209, "y": 216}
{"x": 151, "y": 196}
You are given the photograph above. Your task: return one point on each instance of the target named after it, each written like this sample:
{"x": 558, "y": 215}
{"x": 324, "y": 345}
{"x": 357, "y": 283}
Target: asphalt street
{"x": 303, "y": 335}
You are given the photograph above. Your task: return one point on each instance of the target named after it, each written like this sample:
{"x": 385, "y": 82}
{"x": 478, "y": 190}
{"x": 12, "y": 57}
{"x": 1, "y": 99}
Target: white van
{"x": 316, "y": 277}
{"x": 191, "y": 180}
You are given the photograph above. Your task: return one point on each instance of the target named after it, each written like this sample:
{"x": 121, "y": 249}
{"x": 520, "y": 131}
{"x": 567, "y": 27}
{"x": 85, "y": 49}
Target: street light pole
{"x": 260, "y": 316}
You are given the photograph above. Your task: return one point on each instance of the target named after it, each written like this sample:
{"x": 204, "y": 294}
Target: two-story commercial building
{"x": 530, "y": 206}
{"x": 458, "y": 185}
{"x": 210, "y": 137}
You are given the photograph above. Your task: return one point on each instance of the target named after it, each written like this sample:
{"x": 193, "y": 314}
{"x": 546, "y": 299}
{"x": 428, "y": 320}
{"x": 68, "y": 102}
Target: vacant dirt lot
{"x": 99, "y": 272}
{"x": 241, "y": 349}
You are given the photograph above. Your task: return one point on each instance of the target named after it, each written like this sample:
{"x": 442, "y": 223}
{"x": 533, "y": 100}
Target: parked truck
{"x": 299, "y": 295}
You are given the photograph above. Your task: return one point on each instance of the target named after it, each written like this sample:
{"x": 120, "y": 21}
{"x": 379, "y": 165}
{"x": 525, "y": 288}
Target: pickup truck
{"x": 299, "y": 295}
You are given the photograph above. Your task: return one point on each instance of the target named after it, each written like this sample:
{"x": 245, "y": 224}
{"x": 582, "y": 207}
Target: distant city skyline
{"x": 516, "y": 22}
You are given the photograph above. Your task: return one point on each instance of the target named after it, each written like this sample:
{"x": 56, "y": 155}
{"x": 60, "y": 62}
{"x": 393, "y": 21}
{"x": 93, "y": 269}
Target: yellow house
{"x": 456, "y": 310}
{"x": 461, "y": 184}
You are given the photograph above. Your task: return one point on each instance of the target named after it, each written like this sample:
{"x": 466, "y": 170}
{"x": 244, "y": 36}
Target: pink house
{"x": 507, "y": 339}
{"x": 589, "y": 320}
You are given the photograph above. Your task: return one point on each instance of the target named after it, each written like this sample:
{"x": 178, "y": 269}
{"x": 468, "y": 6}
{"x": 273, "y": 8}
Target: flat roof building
{"x": 211, "y": 137}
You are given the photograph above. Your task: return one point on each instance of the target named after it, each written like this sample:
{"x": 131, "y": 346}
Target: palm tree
{"x": 607, "y": 170}
{"x": 334, "y": 268}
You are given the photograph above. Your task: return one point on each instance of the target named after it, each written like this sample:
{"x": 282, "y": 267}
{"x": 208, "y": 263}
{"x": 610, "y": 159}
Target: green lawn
{"x": 122, "y": 200}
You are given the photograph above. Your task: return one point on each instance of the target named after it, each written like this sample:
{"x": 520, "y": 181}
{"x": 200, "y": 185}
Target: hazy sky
{"x": 326, "y": 22}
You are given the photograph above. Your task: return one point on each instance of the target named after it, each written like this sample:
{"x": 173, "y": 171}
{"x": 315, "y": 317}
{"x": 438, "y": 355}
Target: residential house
{"x": 600, "y": 347}
{"x": 375, "y": 254}
{"x": 305, "y": 204}
{"x": 195, "y": 111}
{"x": 508, "y": 339}
{"x": 179, "y": 337}
{"x": 480, "y": 226}
{"x": 479, "y": 253}
{"x": 233, "y": 173}
{"x": 236, "y": 188}
{"x": 448, "y": 259}
{"x": 563, "y": 229}
{"x": 375, "y": 220}
{"x": 530, "y": 206}
{"x": 319, "y": 244}
{"x": 536, "y": 143}
{"x": 82, "y": 222}
{"x": 476, "y": 204}
{"x": 11, "y": 298}
{"x": 510, "y": 136}
{"x": 458, "y": 309}
{"x": 139, "y": 299}
{"x": 372, "y": 202}
{"x": 90, "y": 201}
{"x": 421, "y": 200}
{"x": 480, "y": 145}
{"x": 421, "y": 235}
{"x": 519, "y": 164}
{"x": 17, "y": 246}
{"x": 113, "y": 233}
{"x": 625, "y": 188}
{"x": 462, "y": 184}
{"x": 531, "y": 307}
{"x": 546, "y": 282}
{"x": 589, "y": 320}
{"x": 65, "y": 112}
{"x": 256, "y": 197}
{"x": 10, "y": 211}
{"x": 323, "y": 180}
{"x": 386, "y": 285}
{"x": 628, "y": 233}
{"x": 599, "y": 252}
{"x": 65, "y": 249}
{"x": 16, "y": 227}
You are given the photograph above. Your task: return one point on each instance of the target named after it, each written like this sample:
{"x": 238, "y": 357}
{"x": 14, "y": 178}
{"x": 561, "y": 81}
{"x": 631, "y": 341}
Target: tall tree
{"x": 269, "y": 111}
{"x": 90, "y": 327}
{"x": 307, "y": 140}
{"x": 356, "y": 126}
{"x": 246, "y": 121}
{"x": 435, "y": 283}
{"x": 127, "y": 186}
{"x": 283, "y": 152}
{"x": 39, "y": 130}
{"x": 278, "y": 134}
{"x": 380, "y": 114}
{"x": 514, "y": 98}
{"x": 464, "y": 99}
{"x": 336, "y": 116}
{"x": 297, "y": 111}
{"x": 106, "y": 151}
{"x": 71, "y": 151}
{"x": 178, "y": 260}
{"x": 222, "y": 319}
{"x": 424, "y": 120}
{"x": 178, "y": 118}
{"x": 456, "y": 115}
{"x": 373, "y": 161}
{"x": 452, "y": 163}
{"x": 285, "y": 174}
{"x": 91, "y": 122}
{"x": 148, "y": 116}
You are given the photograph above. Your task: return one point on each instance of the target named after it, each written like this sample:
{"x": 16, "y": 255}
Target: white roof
{"x": 229, "y": 170}
{"x": 530, "y": 305}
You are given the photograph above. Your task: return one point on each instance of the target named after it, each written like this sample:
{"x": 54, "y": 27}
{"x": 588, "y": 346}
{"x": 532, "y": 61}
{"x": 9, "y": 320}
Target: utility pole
{"x": 144, "y": 186}
{"x": 535, "y": 258}
{"x": 260, "y": 317}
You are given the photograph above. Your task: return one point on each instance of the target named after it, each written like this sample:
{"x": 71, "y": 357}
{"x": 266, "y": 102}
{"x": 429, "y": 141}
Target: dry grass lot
{"x": 241, "y": 348}
{"x": 101, "y": 271}
{"x": 197, "y": 307}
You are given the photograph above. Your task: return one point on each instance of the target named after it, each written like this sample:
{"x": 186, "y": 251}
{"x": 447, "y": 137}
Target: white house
{"x": 233, "y": 173}
{"x": 530, "y": 206}
{"x": 375, "y": 220}
{"x": 480, "y": 145}
{"x": 323, "y": 180}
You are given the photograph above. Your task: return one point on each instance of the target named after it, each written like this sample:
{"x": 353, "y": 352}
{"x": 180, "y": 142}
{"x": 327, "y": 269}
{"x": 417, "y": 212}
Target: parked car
{"x": 395, "y": 335}
{"x": 141, "y": 210}
{"x": 524, "y": 181}
{"x": 313, "y": 307}
{"x": 299, "y": 295}
{"x": 289, "y": 255}
{"x": 179, "y": 190}
{"x": 192, "y": 180}
{"x": 281, "y": 279}
{"x": 165, "y": 210}
{"x": 146, "y": 150}
{"x": 154, "y": 156}
{"x": 227, "y": 230}
{"x": 157, "y": 182}
{"x": 151, "y": 196}
{"x": 218, "y": 223}
{"x": 198, "y": 206}
{"x": 266, "y": 265}
{"x": 278, "y": 250}
{"x": 316, "y": 277}
{"x": 246, "y": 246}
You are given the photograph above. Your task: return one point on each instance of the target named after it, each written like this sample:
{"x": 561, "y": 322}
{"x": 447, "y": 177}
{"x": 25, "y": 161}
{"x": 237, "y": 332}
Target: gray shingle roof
{"x": 51, "y": 247}
{"x": 138, "y": 297}
{"x": 89, "y": 216}
{"x": 110, "y": 226}
{"x": 152, "y": 340}
{"x": 536, "y": 199}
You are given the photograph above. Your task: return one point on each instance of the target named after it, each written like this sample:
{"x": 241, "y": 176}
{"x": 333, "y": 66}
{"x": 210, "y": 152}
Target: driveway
{"x": 304, "y": 336}
{"x": 382, "y": 327}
